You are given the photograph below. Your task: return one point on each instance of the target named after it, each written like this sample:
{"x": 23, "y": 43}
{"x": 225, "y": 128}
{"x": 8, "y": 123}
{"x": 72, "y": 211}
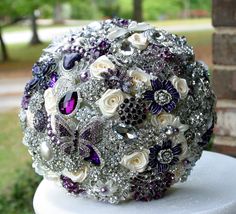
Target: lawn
{"x": 13, "y": 154}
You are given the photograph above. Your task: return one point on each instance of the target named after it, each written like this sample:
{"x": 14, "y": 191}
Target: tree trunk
{"x": 58, "y": 19}
{"x": 137, "y": 10}
{"x": 35, "y": 39}
{"x": 3, "y": 48}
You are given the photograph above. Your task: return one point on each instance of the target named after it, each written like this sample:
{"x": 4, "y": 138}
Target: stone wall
{"x": 224, "y": 73}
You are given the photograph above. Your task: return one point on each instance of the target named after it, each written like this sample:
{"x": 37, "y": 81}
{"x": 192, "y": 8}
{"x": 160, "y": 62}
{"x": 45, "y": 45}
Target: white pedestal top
{"x": 210, "y": 189}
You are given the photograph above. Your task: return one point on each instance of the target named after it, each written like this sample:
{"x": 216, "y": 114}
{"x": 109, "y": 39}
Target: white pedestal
{"x": 211, "y": 189}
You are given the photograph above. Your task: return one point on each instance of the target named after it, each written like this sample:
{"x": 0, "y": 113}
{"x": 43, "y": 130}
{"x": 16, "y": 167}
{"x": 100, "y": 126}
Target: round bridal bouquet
{"x": 117, "y": 110}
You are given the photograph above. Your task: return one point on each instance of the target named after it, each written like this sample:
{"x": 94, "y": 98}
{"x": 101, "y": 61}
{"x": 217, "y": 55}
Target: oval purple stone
{"x": 68, "y": 103}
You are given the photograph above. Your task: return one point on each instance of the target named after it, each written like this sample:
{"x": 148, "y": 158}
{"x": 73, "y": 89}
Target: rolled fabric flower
{"x": 78, "y": 176}
{"x": 50, "y": 101}
{"x": 110, "y": 101}
{"x": 138, "y": 40}
{"x": 101, "y": 65}
{"x": 139, "y": 75}
{"x": 136, "y": 162}
{"x": 180, "y": 85}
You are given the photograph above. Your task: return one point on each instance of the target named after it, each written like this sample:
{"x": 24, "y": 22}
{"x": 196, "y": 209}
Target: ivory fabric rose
{"x": 165, "y": 119}
{"x": 50, "y": 101}
{"x": 180, "y": 85}
{"x": 138, "y": 40}
{"x": 110, "y": 101}
{"x": 79, "y": 176}
{"x": 30, "y": 118}
{"x": 101, "y": 65}
{"x": 139, "y": 75}
{"x": 137, "y": 161}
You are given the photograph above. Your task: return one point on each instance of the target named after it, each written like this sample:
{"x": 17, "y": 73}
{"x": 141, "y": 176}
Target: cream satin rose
{"x": 180, "y": 85}
{"x": 138, "y": 75}
{"x": 50, "y": 101}
{"x": 101, "y": 65}
{"x": 78, "y": 176}
{"x": 166, "y": 119}
{"x": 137, "y": 161}
{"x": 110, "y": 101}
{"x": 138, "y": 40}
{"x": 30, "y": 118}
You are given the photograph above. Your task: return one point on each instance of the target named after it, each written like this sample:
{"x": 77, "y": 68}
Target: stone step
{"x": 226, "y": 118}
{"x": 225, "y": 145}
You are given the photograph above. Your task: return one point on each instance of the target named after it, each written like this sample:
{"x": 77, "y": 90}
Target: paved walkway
{"x": 11, "y": 91}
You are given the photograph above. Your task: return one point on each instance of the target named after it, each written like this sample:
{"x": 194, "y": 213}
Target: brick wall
{"x": 224, "y": 73}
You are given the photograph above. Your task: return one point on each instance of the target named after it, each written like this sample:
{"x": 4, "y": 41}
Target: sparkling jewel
{"x": 68, "y": 103}
{"x": 124, "y": 131}
{"x": 70, "y": 59}
{"x": 162, "y": 97}
{"x": 93, "y": 157}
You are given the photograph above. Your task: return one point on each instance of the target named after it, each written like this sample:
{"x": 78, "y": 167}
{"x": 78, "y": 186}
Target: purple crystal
{"x": 68, "y": 103}
{"x": 72, "y": 187}
{"x": 40, "y": 69}
{"x": 103, "y": 44}
{"x": 25, "y": 101}
{"x": 53, "y": 80}
{"x": 70, "y": 59}
{"x": 36, "y": 69}
{"x": 31, "y": 84}
{"x": 84, "y": 76}
{"x": 93, "y": 157}
{"x": 121, "y": 22}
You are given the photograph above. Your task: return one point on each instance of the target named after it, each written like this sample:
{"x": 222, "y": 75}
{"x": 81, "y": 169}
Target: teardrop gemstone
{"x": 70, "y": 59}
{"x": 93, "y": 157}
{"x": 68, "y": 103}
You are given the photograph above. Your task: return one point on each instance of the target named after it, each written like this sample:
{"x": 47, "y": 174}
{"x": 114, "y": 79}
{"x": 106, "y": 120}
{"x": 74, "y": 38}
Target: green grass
{"x": 13, "y": 154}
{"x": 22, "y": 57}
{"x": 25, "y": 52}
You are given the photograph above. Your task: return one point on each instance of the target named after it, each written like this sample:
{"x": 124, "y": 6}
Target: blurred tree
{"x": 109, "y": 8}
{"x": 8, "y": 16}
{"x": 200, "y": 4}
{"x": 30, "y": 9}
{"x": 137, "y": 10}
{"x": 57, "y": 16}
{"x": 81, "y": 10}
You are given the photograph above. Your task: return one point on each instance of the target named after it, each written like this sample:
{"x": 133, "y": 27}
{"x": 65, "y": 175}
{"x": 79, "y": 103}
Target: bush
{"x": 17, "y": 198}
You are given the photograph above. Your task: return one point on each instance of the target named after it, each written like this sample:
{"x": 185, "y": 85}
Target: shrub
{"x": 17, "y": 198}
